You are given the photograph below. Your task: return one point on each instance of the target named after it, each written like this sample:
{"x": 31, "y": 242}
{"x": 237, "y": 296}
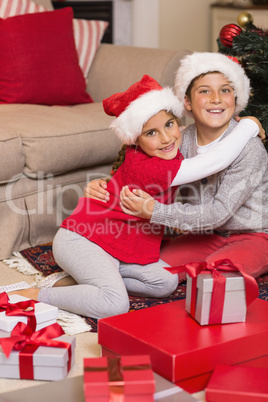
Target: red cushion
{"x": 39, "y": 62}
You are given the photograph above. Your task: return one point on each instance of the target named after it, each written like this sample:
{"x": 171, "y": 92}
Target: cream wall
{"x": 173, "y": 24}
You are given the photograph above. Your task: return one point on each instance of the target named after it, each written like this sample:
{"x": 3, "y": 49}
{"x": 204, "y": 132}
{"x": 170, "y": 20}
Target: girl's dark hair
{"x": 120, "y": 159}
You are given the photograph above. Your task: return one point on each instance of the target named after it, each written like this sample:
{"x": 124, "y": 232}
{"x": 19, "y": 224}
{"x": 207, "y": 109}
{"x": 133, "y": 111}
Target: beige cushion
{"x": 57, "y": 139}
{"x": 12, "y": 156}
{"x": 46, "y": 3}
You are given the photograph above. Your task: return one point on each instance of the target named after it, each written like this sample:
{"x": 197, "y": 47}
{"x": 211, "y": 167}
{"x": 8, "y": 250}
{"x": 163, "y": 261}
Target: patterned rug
{"x": 41, "y": 258}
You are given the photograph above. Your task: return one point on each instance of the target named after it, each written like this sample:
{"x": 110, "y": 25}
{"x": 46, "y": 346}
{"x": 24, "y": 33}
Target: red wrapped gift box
{"x": 240, "y": 384}
{"x": 179, "y": 347}
{"x": 197, "y": 383}
{"x": 128, "y": 377}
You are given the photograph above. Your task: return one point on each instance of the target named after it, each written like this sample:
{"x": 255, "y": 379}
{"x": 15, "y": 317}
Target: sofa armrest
{"x": 115, "y": 68}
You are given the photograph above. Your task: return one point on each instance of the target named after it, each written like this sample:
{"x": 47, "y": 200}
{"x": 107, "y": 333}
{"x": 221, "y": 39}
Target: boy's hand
{"x": 97, "y": 189}
{"x": 261, "y": 130}
{"x": 137, "y": 203}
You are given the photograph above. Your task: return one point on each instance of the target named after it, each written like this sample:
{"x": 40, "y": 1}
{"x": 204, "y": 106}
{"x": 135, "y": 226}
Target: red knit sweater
{"x": 127, "y": 238}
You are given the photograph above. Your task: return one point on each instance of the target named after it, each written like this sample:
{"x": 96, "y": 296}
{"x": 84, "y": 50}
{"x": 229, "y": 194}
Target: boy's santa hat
{"x": 199, "y": 63}
{"x": 134, "y": 107}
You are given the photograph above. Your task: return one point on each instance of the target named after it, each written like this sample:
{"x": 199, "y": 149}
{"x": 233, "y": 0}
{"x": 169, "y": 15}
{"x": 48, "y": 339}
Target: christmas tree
{"x": 250, "y": 47}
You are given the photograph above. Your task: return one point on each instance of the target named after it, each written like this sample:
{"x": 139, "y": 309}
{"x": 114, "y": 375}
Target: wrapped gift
{"x": 219, "y": 292}
{"x": 229, "y": 383}
{"x": 234, "y": 306}
{"x": 16, "y": 308}
{"x": 169, "y": 390}
{"x": 178, "y": 346}
{"x": 200, "y": 382}
{"x": 197, "y": 383}
{"x": 70, "y": 389}
{"x": 47, "y": 354}
{"x": 128, "y": 377}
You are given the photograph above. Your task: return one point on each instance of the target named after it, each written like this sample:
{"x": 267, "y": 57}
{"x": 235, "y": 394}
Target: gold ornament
{"x": 244, "y": 19}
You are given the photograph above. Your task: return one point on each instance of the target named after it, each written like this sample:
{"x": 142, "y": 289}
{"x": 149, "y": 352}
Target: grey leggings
{"x": 103, "y": 282}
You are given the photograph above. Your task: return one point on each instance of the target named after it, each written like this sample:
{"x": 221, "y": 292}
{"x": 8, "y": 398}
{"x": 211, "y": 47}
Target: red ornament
{"x": 234, "y": 59}
{"x": 227, "y": 34}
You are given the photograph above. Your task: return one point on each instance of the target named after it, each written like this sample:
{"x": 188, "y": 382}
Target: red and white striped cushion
{"x": 87, "y": 34}
{"x": 9, "y": 8}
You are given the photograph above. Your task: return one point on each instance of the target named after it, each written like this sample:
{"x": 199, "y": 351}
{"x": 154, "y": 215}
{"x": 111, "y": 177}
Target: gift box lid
{"x": 133, "y": 373}
{"x": 45, "y": 315}
{"x": 234, "y": 281}
{"x": 198, "y": 383}
{"x": 44, "y": 355}
{"x": 178, "y": 346}
{"x": 229, "y": 383}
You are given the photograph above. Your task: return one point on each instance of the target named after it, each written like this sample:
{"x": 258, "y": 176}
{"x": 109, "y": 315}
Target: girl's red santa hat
{"x": 134, "y": 107}
{"x": 197, "y": 63}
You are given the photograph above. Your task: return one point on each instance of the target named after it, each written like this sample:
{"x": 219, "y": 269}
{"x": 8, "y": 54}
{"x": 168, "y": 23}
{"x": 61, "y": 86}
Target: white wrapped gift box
{"x": 234, "y": 307}
{"x": 49, "y": 363}
{"x": 44, "y": 313}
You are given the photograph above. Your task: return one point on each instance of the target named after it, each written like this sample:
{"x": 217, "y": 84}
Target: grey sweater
{"x": 231, "y": 201}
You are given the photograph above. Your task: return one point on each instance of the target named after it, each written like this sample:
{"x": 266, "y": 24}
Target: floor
{"x": 86, "y": 343}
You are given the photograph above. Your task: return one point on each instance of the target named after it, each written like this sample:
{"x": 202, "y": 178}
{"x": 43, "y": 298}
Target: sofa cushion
{"x": 39, "y": 62}
{"x": 15, "y": 7}
{"x": 59, "y": 139}
{"x": 12, "y": 155}
{"x": 87, "y": 34}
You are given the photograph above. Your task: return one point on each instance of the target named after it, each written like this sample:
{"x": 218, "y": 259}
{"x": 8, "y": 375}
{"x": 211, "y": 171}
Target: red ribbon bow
{"x": 218, "y": 291}
{"x": 25, "y": 340}
{"x": 24, "y": 308}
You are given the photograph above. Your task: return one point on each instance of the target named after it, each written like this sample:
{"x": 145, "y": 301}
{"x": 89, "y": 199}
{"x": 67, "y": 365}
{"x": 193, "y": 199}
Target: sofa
{"x": 49, "y": 153}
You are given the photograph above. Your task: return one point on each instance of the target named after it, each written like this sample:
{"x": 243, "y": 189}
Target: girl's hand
{"x": 137, "y": 203}
{"x": 97, "y": 189}
{"x": 261, "y": 130}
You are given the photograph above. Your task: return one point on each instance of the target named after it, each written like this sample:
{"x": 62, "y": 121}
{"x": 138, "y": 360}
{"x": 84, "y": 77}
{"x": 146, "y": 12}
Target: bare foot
{"x": 31, "y": 293}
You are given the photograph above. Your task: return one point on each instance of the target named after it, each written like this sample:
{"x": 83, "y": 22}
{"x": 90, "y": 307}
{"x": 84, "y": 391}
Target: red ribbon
{"x": 218, "y": 291}
{"x": 24, "y": 308}
{"x": 25, "y": 340}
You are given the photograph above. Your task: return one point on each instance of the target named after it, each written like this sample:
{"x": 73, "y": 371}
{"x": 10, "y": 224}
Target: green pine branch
{"x": 251, "y": 49}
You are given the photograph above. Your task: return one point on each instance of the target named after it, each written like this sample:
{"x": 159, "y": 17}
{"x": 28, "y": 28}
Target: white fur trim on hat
{"x": 128, "y": 125}
{"x": 203, "y": 62}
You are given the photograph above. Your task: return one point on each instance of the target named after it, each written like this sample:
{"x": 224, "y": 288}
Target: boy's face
{"x": 212, "y": 102}
{"x": 160, "y": 136}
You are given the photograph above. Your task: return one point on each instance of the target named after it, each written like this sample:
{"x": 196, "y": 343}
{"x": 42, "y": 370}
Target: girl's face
{"x": 160, "y": 136}
{"x": 212, "y": 102}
